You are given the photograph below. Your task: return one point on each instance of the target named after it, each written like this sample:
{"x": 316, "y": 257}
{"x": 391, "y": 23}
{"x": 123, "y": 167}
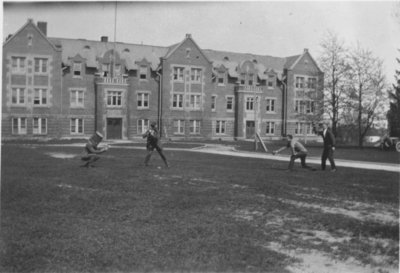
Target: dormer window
{"x": 105, "y": 69}
{"x": 271, "y": 81}
{"x": 143, "y": 72}
{"x": 77, "y": 69}
{"x": 251, "y": 79}
{"x": 221, "y": 78}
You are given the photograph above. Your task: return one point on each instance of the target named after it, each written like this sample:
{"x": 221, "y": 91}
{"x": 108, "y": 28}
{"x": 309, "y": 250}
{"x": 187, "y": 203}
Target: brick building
{"x": 66, "y": 88}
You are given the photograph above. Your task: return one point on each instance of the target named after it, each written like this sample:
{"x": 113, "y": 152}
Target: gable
{"x": 188, "y": 52}
{"x": 29, "y": 38}
{"x": 306, "y": 64}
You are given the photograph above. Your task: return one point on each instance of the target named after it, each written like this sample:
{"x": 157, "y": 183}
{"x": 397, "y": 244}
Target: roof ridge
{"x": 241, "y": 53}
{"x": 110, "y": 42}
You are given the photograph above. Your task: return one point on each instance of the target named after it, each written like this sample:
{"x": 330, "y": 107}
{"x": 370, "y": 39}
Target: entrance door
{"x": 250, "y": 129}
{"x": 114, "y": 128}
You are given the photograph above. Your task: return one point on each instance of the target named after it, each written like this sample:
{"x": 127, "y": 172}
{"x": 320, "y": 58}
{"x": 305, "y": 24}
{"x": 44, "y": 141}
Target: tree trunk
{"x": 360, "y": 137}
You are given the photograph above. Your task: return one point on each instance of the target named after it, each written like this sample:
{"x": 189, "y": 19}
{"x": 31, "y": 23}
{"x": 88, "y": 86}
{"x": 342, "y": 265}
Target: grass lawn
{"x": 207, "y": 213}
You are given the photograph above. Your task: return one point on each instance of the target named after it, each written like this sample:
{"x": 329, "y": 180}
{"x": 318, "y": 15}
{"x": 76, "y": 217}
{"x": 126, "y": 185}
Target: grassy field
{"x": 206, "y": 213}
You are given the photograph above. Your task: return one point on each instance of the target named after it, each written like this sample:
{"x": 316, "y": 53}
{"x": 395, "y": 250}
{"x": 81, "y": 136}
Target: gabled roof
{"x": 30, "y": 22}
{"x": 173, "y": 48}
{"x": 293, "y": 61}
{"x": 90, "y": 50}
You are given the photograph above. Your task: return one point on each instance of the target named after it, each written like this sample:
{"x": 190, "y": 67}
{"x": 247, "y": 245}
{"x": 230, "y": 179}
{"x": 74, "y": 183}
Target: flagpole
{"x": 115, "y": 37}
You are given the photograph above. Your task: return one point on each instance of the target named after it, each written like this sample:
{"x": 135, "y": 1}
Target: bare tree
{"x": 393, "y": 114}
{"x": 334, "y": 62}
{"x": 366, "y": 100}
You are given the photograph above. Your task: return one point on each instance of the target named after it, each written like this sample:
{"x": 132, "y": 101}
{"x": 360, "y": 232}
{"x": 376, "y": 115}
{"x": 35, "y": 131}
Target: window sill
{"x": 19, "y": 105}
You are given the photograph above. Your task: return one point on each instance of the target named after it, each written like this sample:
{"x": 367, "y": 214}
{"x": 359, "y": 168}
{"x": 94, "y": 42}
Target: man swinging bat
{"x": 152, "y": 135}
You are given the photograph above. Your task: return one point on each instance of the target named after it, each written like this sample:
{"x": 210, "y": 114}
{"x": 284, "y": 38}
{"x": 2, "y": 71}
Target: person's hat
{"x": 96, "y": 137}
{"x": 153, "y": 123}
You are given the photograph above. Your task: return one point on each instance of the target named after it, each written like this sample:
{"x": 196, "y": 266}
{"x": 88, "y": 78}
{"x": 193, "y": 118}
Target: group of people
{"x": 92, "y": 149}
{"x": 299, "y": 151}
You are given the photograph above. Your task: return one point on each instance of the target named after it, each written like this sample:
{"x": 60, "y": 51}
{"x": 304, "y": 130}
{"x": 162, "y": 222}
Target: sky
{"x": 275, "y": 28}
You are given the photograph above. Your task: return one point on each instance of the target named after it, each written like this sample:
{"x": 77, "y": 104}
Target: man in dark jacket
{"x": 329, "y": 147}
{"x": 152, "y": 136}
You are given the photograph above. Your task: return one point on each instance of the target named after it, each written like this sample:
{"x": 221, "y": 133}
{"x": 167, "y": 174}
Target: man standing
{"x": 298, "y": 151}
{"x": 92, "y": 151}
{"x": 329, "y": 147}
{"x": 152, "y": 136}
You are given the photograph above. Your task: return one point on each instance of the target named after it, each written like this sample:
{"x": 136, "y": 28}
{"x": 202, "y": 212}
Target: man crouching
{"x": 298, "y": 151}
{"x": 91, "y": 151}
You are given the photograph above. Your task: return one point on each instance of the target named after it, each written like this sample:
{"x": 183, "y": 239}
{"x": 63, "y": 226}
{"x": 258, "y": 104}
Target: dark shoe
{"x": 333, "y": 170}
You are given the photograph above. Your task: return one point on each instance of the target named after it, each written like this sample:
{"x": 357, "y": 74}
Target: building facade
{"x": 68, "y": 88}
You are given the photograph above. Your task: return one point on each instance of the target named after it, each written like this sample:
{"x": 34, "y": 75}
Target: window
{"x": 312, "y": 83}
{"x": 299, "y": 106}
{"x": 213, "y": 103}
{"x": 114, "y": 98}
{"x": 309, "y": 129}
{"x": 77, "y": 69}
{"x": 249, "y": 103}
{"x": 177, "y": 101}
{"x": 270, "y": 105}
{"x": 302, "y": 128}
{"x": 229, "y": 103}
{"x": 39, "y": 126}
{"x": 220, "y": 127}
{"x": 178, "y": 73}
{"x": 300, "y": 82}
{"x": 18, "y": 64}
{"x": 251, "y": 79}
{"x": 40, "y": 65}
{"x": 117, "y": 70}
{"x": 143, "y": 72}
{"x": 298, "y": 130}
{"x": 304, "y": 106}
{"x": 243, "y": 79}
{"x": 76, "y": 126}
{"x": 40, "y": 97}
{"x": 76, "y": 98}
{"x": 19, "y": 126}
{"x": 105, "y": 68}
{"x": 143, "y": 100}
{"x": 271, "y": 81}
{"x": 195, "y": 127}
{"x": 142, "y": 126}
{"x": 195, "y": 75}
{"x": 309, "y": 107}
{"x": 18, "y": 96}
{"x": 179, "y": 127}
{"x": 270, "y": 128}
{"x": 195, "y": 101}
{"x": 221, "y": 78}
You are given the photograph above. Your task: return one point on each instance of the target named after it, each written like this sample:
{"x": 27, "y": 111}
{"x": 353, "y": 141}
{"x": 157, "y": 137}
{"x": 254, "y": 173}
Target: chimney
{"x": 305, "y": 50}
{"x": 188, "y": 35}
{"x": 43, "y": 27}
{"x": 104, "y": 38}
